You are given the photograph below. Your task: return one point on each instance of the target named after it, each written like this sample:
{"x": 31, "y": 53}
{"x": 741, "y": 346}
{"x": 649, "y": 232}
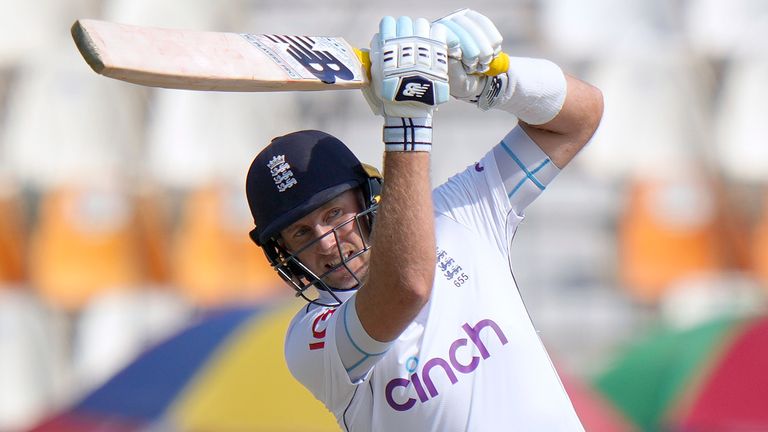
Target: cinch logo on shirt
{"x": 449, "y": 367}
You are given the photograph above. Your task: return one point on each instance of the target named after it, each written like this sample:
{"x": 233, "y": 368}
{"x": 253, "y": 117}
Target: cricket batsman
{"x": 414, "y": 321}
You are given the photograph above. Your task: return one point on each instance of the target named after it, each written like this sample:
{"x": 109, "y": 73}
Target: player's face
{"x": 327, "y": 249}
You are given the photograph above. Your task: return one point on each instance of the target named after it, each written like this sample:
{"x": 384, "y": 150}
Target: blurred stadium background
{"x": 123, "y": 217}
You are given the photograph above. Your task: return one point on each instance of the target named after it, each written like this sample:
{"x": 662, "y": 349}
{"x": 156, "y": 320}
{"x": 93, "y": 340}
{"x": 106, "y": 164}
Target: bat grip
{"x": 365, "y": 59}
{"x": 499, "y": 64}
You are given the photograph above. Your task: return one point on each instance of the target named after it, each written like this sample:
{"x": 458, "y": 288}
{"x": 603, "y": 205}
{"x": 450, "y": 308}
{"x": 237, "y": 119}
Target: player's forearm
{"x": 403, "y": 255}
{"x": 570, "y": 130}
{"x": 404, "y": 234}
{"x": 405, "y": 89}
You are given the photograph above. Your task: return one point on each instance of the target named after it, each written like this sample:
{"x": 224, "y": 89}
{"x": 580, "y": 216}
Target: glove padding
{"x": 473, "y": 43}
{"x": 409, "y": 68}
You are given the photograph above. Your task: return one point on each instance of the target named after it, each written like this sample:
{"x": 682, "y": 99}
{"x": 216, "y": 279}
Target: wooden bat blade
{"x": 199, "y": 60}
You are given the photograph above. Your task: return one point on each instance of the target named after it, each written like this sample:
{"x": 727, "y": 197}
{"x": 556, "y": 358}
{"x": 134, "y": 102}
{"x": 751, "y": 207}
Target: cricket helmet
{"x": 293, "y": 176}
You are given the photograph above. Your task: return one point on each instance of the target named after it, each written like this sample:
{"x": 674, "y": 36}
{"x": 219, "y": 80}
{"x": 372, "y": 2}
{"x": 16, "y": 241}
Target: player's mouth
{"x": 348, "y": 267}
{"x": 348, "y": 273}
{"x": 339, "y": 265}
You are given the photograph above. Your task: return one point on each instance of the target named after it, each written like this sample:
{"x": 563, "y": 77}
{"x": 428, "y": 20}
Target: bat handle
{"x": 365, "y": 59}
{"x": 499, "y": 65}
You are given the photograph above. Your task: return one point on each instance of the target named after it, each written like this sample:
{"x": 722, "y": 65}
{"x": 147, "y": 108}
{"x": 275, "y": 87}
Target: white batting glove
{"x": 409, "y": 68}
{"x": 532, "y": 89}
{"x": 409, "y": 78}
{"x": 473, "y": 43}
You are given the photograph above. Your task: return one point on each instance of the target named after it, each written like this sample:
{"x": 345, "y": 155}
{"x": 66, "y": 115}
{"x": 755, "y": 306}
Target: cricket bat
{"x": 219, "y": 61}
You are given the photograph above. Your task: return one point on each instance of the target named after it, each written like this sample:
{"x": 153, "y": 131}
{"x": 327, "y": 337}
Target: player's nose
{"x": 327, "y": 241}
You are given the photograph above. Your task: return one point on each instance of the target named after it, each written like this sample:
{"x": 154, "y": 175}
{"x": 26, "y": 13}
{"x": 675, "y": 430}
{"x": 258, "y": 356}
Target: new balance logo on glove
{"x": 416, "y": 89}
{"x": 491, "y": 92}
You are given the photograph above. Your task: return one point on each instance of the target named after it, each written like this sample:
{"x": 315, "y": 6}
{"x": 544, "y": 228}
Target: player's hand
{"x": 473, "y": 43}
{"x": 409, "y": 68}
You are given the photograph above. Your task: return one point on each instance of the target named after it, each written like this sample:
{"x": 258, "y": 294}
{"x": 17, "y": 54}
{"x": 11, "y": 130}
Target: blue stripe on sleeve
{"x": 529, "y": 175}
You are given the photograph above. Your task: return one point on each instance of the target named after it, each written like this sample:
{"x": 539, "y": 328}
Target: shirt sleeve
{"x": 524, "y": 168}
{"x": 358, "y": 351}
{"x": 490, "y": 196}
{"x": 329, "y": 352}
{"x": 312, "y": 357}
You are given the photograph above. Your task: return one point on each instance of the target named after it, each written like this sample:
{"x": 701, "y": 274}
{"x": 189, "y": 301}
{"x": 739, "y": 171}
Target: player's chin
{"x": 343, "y": 277}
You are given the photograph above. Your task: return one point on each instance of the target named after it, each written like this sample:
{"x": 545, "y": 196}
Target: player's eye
{"x": 300, "y": 232}
{"x": 334, "y": 213}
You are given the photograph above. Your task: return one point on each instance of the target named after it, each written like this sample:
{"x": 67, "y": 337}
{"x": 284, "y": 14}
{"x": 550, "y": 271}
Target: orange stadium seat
{"x": 214, "y": 261}
{"x": 12, "y": 238}
{"x": 84, "y": 243}
{"x": 668, "y": 232}
{"x": 153, "y": 226}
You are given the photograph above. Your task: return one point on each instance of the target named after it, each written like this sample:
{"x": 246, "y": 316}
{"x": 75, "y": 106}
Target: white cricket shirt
{"x": 471, "y": 360}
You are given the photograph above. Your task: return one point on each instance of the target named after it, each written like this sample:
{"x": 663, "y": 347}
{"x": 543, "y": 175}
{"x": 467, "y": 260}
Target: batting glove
{"x": 532, "y": 89}
{"x": 409, "y": 78}
{"x": 473, "y": 43}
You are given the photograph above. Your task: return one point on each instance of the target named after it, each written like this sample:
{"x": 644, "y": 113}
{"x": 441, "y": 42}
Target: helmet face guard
{"x": 293, "y": 176}
{"x": 307, "y": 283}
